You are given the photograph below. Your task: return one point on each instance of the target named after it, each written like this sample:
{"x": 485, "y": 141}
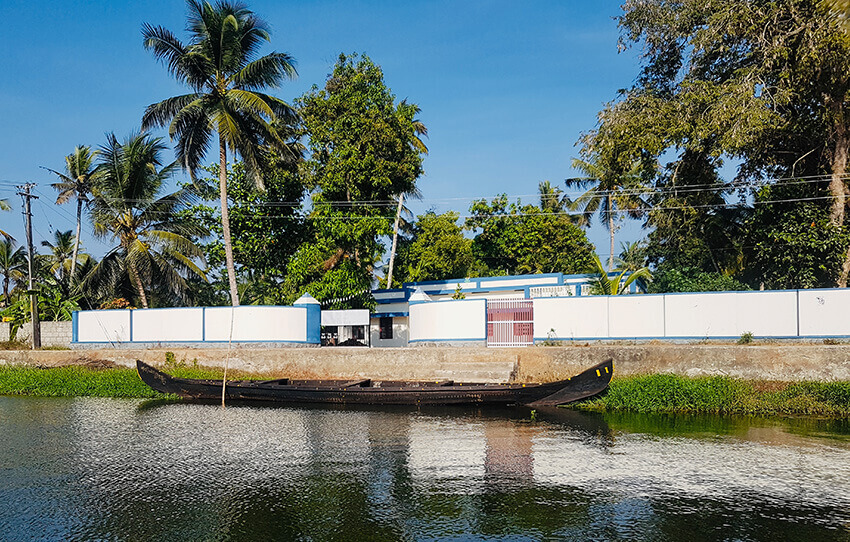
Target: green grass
{"x": 80, "y": 381}
{"x": 662, "y": 393}
{"x": 73, "y": 382}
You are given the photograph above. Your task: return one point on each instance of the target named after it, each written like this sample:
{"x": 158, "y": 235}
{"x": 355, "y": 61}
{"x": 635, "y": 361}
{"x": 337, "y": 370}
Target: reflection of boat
{"x": 285, "y": 390}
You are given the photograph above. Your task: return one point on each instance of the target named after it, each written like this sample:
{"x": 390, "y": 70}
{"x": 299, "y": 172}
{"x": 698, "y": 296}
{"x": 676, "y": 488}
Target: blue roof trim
{"x": 390, "y": 314}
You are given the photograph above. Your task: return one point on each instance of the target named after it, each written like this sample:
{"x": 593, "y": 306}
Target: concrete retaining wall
{"x": 536, "y": 364}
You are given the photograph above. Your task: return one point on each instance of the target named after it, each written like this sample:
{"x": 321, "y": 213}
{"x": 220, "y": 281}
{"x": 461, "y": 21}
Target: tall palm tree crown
{"x": 76, "y": 183}
{"x": 153, "y": 240}
{"x": 61, "y": 251}
{"x": 609, "y": 192}
{"x": 220, "y": 65}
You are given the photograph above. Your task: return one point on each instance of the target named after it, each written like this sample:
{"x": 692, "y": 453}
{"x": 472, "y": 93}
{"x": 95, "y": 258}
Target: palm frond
{"x": 266, "y": 72}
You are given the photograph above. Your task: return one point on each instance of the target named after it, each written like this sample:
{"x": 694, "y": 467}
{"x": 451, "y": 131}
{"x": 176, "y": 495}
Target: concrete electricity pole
{"x": 24, "y": 192}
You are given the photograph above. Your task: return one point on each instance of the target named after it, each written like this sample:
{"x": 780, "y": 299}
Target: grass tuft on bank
{"x": 666, "y": 393}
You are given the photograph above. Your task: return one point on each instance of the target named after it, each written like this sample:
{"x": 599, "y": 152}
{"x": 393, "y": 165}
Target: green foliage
{"x": 516, "y": 239}
{"x": 603, "y": 284}
{"x": 154, "y": 252}
{"x": 691, "y": 224}
{"x": 220, "y": 65}
{"x": 793, "y": 244}
{"x": 267, "y": 228}
{"x": 689, "y": 279}
{"x": 73, "y": 382}
{"x": 765, "y": 83}
{"x": 436, "y": 249}
{"x": 746, "y": 338}
{"x": 364, "y": 151}
{"x": 721, "y": 395}
{"x": 13, "y": 267}
{"x": 458, "y": 293}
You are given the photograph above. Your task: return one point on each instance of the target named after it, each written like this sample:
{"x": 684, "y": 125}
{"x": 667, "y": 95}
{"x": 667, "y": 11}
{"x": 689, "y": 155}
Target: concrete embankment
{"x": 533, "y": 364}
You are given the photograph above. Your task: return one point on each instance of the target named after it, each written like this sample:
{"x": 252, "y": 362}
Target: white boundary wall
{"x": 777, "y": 314}
{"x": 276, "y": 324}
{"x": 448, "y": 321}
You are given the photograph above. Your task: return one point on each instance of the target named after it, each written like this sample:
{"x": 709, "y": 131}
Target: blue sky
{"x": 505, "y": 88}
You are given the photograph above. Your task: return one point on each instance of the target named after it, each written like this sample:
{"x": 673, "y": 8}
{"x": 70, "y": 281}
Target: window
{"x": 357, "y": 332}
{"x": 386, "y": 327}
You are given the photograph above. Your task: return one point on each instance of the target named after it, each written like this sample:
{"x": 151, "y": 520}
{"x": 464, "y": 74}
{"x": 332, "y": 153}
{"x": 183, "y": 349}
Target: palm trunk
{"x": 839, "y": 198}
{"x": 225, "y": 222}
{"x": 395, "y": 240}
{"x": 141, "y": 289}
{"x": 611, "y": 233}
{"x": 76, "y": 241}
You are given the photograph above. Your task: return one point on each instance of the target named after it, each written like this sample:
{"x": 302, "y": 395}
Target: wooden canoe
{"x": 385, "y": 392}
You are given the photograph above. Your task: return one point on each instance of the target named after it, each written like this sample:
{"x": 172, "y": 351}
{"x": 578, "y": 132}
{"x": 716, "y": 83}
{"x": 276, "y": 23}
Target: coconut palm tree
{"x": 13, "y": 266}
{"x": 60, "y": 261}
{"x": 610, "y": 192}
{"x": 76, "y": 183}
{"x": 220, "y": 65}
{"x": 153, "y": 240}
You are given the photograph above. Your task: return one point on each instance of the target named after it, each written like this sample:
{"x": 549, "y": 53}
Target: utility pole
{"x": 24, "y": 192}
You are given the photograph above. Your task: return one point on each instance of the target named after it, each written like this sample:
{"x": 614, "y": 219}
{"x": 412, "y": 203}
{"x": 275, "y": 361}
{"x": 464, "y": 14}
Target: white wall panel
{"x": 636, "y": 316}
{"x": 449, "y": 320}
{"x": 103, "y": 326}
{"x": 766, "y": 314}
{"x": 825, "y": 312}
{"x": 257, "y": 323}
{"x": 571, "y": 317}
{"x": 177, "y": 324}
{"x": 701, "y": 315}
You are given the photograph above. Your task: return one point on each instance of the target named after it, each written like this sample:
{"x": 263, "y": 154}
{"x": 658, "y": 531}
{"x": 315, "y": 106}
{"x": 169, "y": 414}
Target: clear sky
{"x": 506, "y": 88}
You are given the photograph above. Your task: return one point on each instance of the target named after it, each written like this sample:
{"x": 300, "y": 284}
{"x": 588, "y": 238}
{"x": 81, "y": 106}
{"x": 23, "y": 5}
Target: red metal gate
{"x": 510, "y": 322}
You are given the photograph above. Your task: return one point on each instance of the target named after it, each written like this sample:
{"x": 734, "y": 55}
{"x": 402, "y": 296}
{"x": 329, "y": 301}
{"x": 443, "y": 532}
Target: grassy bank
{"x": 722, "y": 395}
{"x": 79, "y": 381}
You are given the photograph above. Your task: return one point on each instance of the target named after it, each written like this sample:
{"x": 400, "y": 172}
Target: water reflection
{"x": 85, "y": 469}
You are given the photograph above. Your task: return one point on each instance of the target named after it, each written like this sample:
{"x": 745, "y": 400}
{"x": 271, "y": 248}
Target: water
{"x": 100, "y": 469}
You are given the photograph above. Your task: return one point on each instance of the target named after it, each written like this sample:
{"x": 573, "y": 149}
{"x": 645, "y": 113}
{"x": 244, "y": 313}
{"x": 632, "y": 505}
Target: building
{"x": 390, "y": 324}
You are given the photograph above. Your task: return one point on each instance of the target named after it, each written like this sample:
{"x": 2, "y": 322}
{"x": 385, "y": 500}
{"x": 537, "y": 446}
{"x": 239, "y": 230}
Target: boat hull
{"x": 367, "y": 392}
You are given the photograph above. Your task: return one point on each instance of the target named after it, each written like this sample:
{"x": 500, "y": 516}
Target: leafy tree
{"x": 793, "y": 244}
{"x": 764, "y": 82}
{"x": 603, "y": 284}
{"x": 267, "y": 226}
{"x": 690, "y": 279}
{"x": 13, "y": 267}
{"x": 691, "y": 223}
{"x": 154, "y": 247}
{"x": 518, "y": 239}
{"x": 611, "y": 191}
{"x": 76, "y": 183}
{"x": 220, "y": 65}
{"x": 364, "y": 153}
{"x": 437, "y": 249}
